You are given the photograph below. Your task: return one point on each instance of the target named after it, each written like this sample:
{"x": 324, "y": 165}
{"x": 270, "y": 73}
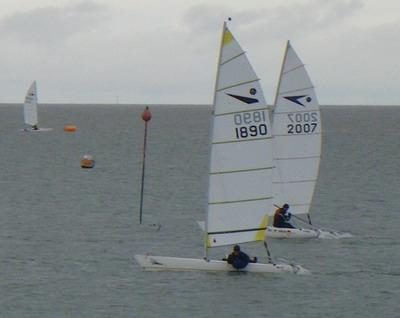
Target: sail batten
{"x": 298, "y": 181}
{"x": 236, "y": 141}
{"x": 240, "y": 172}
{"x": 243, "y": 170}
{"x": 296, "y": 90}
{"x": 298, "y": 135}
{"x": 238, "y": 231}
{"x": 296, "y": 158}
{"x": 238, "y": 84}
{"x": 243, "y": 200}
{"x": 293, "y": 69}
{"x": 236, "y": 112}
{"x": 232, "y": 58}
{"x": 288, "y": 112}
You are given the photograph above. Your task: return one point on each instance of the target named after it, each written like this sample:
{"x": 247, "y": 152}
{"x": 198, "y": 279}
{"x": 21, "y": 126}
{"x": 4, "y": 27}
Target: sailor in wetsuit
{"x": 239, "y": 259}
{"x": 282, "y": 217}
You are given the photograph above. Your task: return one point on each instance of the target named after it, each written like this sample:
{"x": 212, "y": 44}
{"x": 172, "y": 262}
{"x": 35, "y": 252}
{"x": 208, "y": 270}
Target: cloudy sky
{"x": 165, "y": 51}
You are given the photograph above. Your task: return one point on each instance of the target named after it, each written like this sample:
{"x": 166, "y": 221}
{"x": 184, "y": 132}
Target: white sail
{"x": 30, "y": 106}
{"x": 240, "y": 170}
{"x": 240, "y": 176}
{"x": 297, "y": 136}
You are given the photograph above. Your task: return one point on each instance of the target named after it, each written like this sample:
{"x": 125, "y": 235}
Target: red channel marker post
{"x": 146, "y": 116}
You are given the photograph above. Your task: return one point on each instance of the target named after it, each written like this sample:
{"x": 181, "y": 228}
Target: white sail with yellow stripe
{"x": 240, "y": 179}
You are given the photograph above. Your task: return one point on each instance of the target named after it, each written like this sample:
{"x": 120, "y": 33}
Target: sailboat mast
{"x": 211, "y": 134}
{"x": 281, "y": 73}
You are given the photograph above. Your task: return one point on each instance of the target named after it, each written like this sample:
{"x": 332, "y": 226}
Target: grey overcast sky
{"x": 165, "y": 51}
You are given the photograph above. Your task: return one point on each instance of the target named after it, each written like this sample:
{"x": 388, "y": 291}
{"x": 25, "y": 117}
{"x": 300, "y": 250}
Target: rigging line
{"x": 240, "y": 201}
{"x": 233, "y": 58}
{"x": 268, "y": 253}
{"x": 309, "y": 218}
{"x": 238, "y": 84}
{"x": 304, "y": 221}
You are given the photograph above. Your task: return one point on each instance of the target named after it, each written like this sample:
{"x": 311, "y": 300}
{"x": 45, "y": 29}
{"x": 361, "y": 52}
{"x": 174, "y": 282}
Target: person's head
{"x": 236, "y": 248}
{"x": 285, "y": 207}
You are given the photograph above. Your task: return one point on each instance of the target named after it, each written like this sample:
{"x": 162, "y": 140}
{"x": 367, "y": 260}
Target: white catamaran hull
{"x": 287, "y": 233}
{"x": 36, "y": 130}
{"x": 277, "y": 232}
{"x": 161, "y": 263}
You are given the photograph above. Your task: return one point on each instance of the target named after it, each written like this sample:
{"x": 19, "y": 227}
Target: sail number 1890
{"x": 250, "y": 124}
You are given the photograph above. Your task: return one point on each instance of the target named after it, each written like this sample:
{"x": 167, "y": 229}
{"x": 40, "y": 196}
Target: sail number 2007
{"x": 250, "y": 124}
{"x": 301, "y": 123}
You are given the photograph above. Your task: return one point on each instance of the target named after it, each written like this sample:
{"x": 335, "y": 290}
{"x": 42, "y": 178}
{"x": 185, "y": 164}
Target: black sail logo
{"x": 244, "y": 99}
{"x": 296, "y": 99}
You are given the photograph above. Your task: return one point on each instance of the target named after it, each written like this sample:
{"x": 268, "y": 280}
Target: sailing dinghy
{"x": 31, "y": 110}
{"x": 297, "y": 146}
{"x": 240, "y": 169}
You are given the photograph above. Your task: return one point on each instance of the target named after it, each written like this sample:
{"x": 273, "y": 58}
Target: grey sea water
{"x": 68, "y": 235}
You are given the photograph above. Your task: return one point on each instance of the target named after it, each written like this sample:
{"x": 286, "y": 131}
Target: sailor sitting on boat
{"x": 282, "y": 217}
{"x": 239, "y": 259}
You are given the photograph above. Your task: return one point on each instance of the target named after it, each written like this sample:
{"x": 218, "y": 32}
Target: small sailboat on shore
{"x": 297, "y": 147}
{"x": 31, "y": 110}
{"x": 240, "y": 169}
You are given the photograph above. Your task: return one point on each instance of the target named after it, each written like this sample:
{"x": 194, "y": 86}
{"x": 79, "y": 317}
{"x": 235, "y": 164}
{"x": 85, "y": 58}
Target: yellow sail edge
{"x": 260, "y": 234}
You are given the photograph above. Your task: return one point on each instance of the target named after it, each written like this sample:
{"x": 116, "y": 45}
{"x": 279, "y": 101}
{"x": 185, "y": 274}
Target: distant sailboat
{"x": 240, "y": 170}
{"x": 31, "y": 110}
{"x": 297, "y": 146}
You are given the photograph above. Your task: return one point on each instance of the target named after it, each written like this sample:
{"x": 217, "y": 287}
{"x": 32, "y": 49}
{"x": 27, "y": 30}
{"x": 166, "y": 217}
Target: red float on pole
{"x": 146, "y": 116}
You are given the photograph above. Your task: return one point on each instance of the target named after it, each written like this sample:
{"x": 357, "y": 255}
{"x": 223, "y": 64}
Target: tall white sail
{"x": 240, "y": 171}
{"x": 30, "y": 106}
{"x": 240, "y": 176}
{"x": 297, "y": 136}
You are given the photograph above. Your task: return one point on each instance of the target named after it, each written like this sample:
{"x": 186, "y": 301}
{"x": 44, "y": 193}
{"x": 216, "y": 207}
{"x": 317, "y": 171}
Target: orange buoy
{"x": 69, "y": 128}
{"x": 146, "y": 115}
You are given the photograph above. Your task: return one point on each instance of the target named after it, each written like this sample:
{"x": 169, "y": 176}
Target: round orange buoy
{"x": 146, "y": 115}
{"x": 69, "y": 128}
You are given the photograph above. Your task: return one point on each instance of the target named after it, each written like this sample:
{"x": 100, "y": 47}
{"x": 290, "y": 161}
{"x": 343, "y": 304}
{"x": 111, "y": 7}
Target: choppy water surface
{"x": 68, "y": 235}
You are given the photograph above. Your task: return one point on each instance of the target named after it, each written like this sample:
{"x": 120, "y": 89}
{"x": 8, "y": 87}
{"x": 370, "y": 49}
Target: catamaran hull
{"x": 162, "y": 263}
{"x": 36, "y": 130}
{"x": 288, "y": 233}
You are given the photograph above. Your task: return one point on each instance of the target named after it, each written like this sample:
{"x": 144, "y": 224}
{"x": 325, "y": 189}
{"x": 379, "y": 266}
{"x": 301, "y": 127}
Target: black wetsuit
{"x": 238, "y": 260}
